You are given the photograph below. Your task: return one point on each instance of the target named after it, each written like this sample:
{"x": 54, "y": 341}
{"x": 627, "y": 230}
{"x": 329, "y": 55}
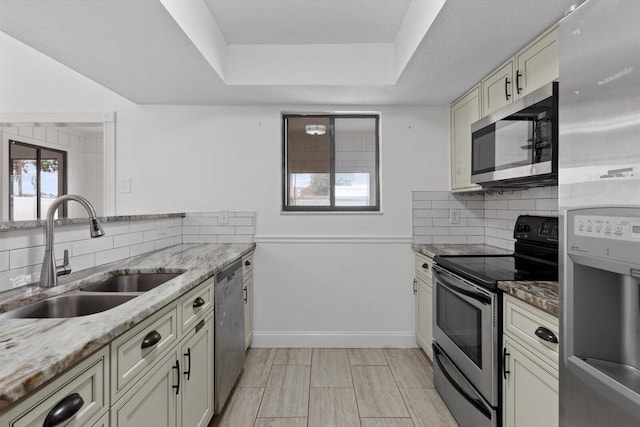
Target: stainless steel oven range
{"x": 467, "y": 318}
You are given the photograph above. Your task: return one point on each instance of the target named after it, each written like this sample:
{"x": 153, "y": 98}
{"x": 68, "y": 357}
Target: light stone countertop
{"x": 543, "y": 295}
{"x": 33, "y": 351}
{"x": 442, "y": 249}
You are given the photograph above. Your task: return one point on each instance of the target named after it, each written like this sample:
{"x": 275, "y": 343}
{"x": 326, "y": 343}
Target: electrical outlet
{"x": 125, "y": 185}
{"x": 224, "y": 217}
{"x": 454, "y": 216}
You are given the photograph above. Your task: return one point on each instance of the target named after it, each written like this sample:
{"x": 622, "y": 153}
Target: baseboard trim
{"x": 334, "y": 339}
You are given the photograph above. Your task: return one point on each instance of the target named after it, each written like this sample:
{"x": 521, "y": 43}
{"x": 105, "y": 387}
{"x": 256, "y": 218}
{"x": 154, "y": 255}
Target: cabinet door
{"x": 463, "y": 112}
{"x": 248, "y": 310}
{"x": 498, "y": 89}
{"x": 530, "y": 390}
{"x": 537, "y": 63}
{"x": 196, "y": 393}
{"x": 153, "y": 401}
{"x": 424, "y": 321}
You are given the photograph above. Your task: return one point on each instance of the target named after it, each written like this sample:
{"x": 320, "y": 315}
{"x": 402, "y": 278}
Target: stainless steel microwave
{"x": 517, "y": 146}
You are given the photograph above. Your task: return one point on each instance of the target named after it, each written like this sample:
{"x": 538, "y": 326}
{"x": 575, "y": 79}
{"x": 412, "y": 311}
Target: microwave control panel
{"x": 607, "y": 227}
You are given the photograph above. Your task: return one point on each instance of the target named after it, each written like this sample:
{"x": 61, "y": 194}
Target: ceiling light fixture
{"x": 315, "y": 129}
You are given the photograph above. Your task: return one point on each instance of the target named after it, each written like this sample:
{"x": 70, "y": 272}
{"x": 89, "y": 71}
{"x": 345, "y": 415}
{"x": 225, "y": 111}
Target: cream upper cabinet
{"x": 531, "y": 68}
{"x": 464, "y": 111}
{"x": 530, "y": 376}
{"x": 537, "y": 63}
{"x": 497, "y": 89}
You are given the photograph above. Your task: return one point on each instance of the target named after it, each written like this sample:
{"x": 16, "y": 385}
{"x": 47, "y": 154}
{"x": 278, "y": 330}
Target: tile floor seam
{"x": 264, "y": 389}
{"x": 395, "y": 380}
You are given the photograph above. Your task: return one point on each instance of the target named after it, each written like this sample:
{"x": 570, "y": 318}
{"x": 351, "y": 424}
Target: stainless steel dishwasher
{"x": 229, "y": 351}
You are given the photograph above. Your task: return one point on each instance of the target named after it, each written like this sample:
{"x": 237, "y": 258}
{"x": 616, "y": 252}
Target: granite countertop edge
{"x": 539, "y": 294}
{"x": 34, "y": 351}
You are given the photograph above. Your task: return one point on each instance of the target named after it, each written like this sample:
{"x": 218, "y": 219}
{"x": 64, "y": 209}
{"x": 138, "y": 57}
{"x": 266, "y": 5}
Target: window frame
{"x": 62, "y": 211}
{"x": 285, "y": 207}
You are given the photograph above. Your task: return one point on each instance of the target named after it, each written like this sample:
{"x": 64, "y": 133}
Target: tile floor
{"x": 335, "y": 387}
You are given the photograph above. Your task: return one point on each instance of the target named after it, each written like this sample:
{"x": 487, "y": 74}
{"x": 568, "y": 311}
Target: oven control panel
{"x": 607, "y": 227}
{"x": 536, "y": 228}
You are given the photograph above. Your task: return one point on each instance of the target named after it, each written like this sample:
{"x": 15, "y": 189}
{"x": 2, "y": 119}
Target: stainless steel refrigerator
{"x": 599, "y": 200}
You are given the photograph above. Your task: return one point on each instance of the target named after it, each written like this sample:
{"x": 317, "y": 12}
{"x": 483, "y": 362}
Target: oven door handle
{"x": 476, "y": 401}
{"x": 482, "y": 298}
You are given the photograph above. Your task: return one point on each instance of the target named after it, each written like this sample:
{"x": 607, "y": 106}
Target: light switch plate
{"x": 125, "y": 185}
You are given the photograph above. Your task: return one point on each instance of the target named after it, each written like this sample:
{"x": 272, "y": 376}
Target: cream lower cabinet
{"x": 153, "y": 401}
{"x": 422, "y": 290}
{"x": 196, "y": 391}
{"x": 530, "y": 372}
{"x": 83, "y": 392}
{"x": 178, "y": 390}
{"x": 247, "y": 279}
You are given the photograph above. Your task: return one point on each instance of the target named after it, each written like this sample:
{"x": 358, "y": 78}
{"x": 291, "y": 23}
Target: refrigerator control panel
{"x": 607, "y": 227}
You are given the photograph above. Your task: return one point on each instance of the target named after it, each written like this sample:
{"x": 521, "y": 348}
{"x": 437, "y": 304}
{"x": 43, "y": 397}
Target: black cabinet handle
{"x": 425, "y": 266}
{"x": 415, "y": 287}
{"x": 198, "y": 302}
{"x": 545, "y": 334}
{"x": 505, "y": 354}
{"x": 247, "y": 263}
{"x": 506, "y": 88}
{"x": 64, "y": 410}
{"x": 151, "y": 339}
{"x": 177, "y": 367}
{"x": 518, "y": 88}
{"x": 188, "y": 371}
{"x": 246, "y": 293}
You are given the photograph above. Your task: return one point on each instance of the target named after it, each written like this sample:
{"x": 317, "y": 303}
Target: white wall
{"x": 354, "y": 288}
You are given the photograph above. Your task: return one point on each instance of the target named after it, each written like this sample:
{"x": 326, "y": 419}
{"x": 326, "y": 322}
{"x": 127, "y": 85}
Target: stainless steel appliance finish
{"x": 517, "y": 146}
{"x": 464, "y": 319}
{"x": 599, "y": 173}
{"x": 467, "y": 320}
{"x": 229, "y": 351}
{"x": 463, "y": 400}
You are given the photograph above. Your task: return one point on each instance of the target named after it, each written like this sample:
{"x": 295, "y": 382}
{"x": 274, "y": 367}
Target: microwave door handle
{"x": 466, "y": 392}
{"x": 453, "y": 288}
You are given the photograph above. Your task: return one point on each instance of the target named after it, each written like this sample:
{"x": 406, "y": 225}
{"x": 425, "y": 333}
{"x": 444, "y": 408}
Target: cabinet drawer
{"x": 196, "y": 304}
{"x": 424, "y": 265}
{"x": 521, "y": 321}
{"x": 129, "y": 360}
{"x": 247, "y": 265}
{"x": 89, "y": 379}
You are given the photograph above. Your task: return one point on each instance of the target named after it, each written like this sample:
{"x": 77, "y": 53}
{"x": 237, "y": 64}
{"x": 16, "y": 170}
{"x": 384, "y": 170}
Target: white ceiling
{"x": 137, "y": 49}
{"x": 308, "y": 21}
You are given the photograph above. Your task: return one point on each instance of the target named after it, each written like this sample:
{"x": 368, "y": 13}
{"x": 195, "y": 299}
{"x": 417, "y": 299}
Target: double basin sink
{"x": 94, "y": 297}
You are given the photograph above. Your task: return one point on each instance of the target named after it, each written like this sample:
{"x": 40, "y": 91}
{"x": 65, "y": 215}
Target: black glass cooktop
{"x": 488, "y": 269}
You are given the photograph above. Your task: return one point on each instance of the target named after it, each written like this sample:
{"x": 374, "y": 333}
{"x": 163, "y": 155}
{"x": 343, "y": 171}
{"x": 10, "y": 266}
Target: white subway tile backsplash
{"x": 128, "y": 239}
{"x": 217, "y": 229}
{"x": 145, "y": 225}
{"x": 82, "y": 262}
{"x": 82, "y": 247}
{"x": 19, "y": 258}
{"x": 141, "y": 248}
{"x": 200, "y": 238}
{"x": 235, "y": 238}
{"x": 485, "y": 217}
{"x": 21, "y": 239}
{"x": 522, "y": 204}
{"x": 4, "y": 260}
{"x": 22, "y": 251}
{"x": 448, "y": 204}
{"x": 105, "y": 257}
{"x": 547, "y": 204}
{"x": 450, "y": 240}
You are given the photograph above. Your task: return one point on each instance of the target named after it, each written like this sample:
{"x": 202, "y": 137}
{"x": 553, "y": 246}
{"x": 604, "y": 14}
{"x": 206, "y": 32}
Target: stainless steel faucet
{"x": 50, "y": 271}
